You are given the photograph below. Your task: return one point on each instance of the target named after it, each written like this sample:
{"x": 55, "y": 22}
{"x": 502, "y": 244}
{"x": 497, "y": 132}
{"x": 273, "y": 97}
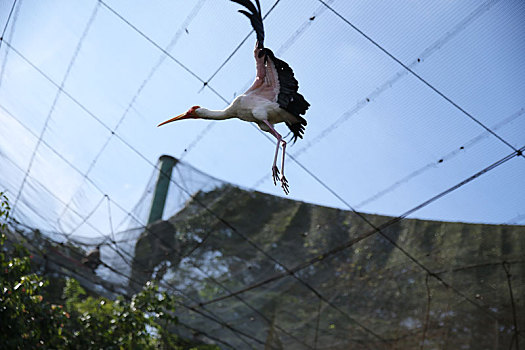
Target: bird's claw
{"x": 275, "y": 174}
{"x": 277, "y": 177}
{"x": 284, "y": 185}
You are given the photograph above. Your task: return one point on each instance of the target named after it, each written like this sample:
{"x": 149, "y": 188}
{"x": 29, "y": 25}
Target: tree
{"x": 28, "y": 320}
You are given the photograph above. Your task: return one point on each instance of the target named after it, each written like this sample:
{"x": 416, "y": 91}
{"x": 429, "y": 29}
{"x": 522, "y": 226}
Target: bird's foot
{"x": 284, "y": 185}
{"x": 275, "y": 175}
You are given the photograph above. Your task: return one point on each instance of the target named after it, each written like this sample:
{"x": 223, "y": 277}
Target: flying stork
{"x": 273, "y": 97}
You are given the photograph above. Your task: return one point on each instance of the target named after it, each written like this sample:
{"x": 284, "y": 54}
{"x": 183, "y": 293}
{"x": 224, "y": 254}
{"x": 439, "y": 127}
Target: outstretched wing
{"x": 289, "y": 98}
{"x": 284, "y": 91}
{"x": 255, "y": 16}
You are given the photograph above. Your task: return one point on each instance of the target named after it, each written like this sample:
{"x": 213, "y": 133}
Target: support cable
{"x": 427, "y": 313}
{"x": 110, "y": 218}
{"x": 15, "y": 16}
{"x": 432, "y": 87}
{"x": 7, "y": 22}
{"x": 506, "y": 268}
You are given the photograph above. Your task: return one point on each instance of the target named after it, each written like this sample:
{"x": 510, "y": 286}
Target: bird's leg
{"x": 284, "y": 182}
{"x": 275, "y": 170}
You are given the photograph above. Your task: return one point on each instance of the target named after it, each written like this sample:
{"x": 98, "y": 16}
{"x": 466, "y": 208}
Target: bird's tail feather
{"x": 297, "y": 128}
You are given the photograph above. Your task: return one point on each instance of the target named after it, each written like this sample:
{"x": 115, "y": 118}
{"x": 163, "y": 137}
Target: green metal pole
{"x": 161, "y": 188}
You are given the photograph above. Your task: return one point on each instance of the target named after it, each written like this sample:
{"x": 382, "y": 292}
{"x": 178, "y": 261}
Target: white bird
{"x": 273, "y": 97}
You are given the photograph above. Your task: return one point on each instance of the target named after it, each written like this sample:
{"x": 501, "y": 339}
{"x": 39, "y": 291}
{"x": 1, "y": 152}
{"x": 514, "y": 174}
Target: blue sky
{"x": 370, "y": 126}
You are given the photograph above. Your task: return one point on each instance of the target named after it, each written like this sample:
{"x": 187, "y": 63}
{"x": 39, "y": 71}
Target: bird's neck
{"x": 205, "y": 113}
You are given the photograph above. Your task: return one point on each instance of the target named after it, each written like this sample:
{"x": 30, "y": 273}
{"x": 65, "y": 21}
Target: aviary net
{"x": 258, "y": 271}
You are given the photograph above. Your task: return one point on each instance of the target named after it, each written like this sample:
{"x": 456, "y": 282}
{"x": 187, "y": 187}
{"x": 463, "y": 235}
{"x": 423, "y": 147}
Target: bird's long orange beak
{"x": 179, "y": 117}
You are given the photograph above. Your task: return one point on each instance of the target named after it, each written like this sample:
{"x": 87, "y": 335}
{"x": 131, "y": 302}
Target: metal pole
{"x": 161, "y": 188}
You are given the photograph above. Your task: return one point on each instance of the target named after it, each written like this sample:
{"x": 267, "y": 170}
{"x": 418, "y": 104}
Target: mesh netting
{"x": 416, "y": 113}
{"x": 295, "y": 275}
{"x": 254, "y": 270}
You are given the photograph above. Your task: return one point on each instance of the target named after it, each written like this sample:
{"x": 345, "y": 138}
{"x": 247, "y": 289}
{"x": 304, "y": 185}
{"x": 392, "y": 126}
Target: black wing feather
{"x": 258, "y": 6}
{"x": 257, "y": 26}
{"x": 289, "y": 98}
{"x": 248, "y": 4}
{"x": 254, "y": 14}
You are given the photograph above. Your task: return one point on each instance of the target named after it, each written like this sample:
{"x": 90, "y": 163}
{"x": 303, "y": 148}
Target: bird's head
{"x": 190, "y": 114}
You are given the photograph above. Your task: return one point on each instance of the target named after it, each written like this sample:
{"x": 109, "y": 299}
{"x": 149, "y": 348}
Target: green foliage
{"x": 24, "y": 316}
{"x": 29, "y": 321}
{"x": 4, "y": 215}
{"x": 116, "y": 324}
